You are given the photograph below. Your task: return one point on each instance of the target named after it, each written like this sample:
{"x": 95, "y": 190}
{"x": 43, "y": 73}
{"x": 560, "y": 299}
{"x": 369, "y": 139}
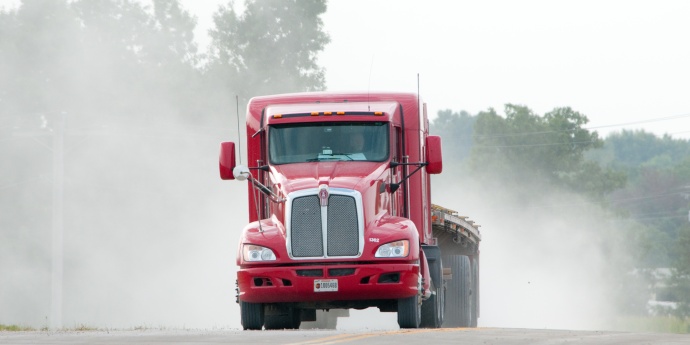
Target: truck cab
{"x": 339, "y": 209}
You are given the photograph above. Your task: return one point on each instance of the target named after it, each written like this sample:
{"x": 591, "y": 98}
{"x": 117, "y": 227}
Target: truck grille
{"x": 342, "y": 233}
{"x": 307, "y": 237}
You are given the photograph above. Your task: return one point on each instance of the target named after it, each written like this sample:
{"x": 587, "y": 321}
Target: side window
{"x": 396, "y": 156}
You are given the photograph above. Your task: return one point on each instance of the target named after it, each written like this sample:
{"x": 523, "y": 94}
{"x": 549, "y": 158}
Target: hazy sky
{"x": 618, "y": 62}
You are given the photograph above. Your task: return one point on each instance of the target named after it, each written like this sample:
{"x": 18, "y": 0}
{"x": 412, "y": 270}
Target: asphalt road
{"x": 311, "y": 337}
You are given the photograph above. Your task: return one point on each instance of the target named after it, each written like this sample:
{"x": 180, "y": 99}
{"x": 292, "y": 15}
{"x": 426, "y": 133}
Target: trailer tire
{"x": 409, "y": 312}
{"x": 459, "y": 292}
{"x": 252, "y": 315}
{"x": 433, "y": 308}
{"x": 475, "y": 292}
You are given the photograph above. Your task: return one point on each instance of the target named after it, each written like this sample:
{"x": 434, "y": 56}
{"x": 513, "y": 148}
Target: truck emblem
{"x": 323, "y": 195}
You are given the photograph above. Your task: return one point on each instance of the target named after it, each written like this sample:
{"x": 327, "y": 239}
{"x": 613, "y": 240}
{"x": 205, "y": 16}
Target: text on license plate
{"x": 321, "y": 285}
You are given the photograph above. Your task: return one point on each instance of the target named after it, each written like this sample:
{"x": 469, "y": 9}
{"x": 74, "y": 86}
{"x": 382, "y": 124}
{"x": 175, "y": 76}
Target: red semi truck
{"x": 341, "y": 216}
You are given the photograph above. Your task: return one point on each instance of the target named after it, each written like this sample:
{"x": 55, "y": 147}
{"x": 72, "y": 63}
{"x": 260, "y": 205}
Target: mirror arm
{"x": 269, "y": 193}
{"x": 258, "y": 132}
{"x": 262, "y": 168}
{"x": 394, "y": 186}
{"x": 417, "y": 164}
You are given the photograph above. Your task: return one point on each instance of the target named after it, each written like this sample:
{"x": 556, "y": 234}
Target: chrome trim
{"x": 324, "y": 220}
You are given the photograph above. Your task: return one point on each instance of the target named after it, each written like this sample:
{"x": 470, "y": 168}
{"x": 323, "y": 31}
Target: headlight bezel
{"x": 256, "y": 253}
{"x": 394, "y": 249}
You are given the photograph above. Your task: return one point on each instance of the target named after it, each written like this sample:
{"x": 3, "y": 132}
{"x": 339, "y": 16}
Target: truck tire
{"x": 459, "y": 292}
{"x": 475, "y": 292}
{"x": 409, "y": 312}
{"x": 280, "y": 317}
{"x": 252, "y": 315}
{"x": 433, "y": 308}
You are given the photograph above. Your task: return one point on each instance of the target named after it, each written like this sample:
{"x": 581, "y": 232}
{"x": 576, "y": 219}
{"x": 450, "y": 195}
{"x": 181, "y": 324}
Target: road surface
{"x": 315, "y": 337}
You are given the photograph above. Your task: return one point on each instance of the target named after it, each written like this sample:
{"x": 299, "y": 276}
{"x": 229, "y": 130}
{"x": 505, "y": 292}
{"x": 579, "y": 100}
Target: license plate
{"x": 322, "y": 285}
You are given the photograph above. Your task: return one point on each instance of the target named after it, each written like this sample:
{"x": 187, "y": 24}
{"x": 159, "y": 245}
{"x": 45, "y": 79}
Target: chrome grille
{"x": 307, "y": 236}
{"x": 343, "y": 232}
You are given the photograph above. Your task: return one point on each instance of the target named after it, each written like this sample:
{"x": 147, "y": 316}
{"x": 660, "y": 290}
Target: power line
{"x": 536, "y": 145}
{"x": 665, "y": 118}
{"x": 25, "y": 181}
{"x": 624, "y": 200}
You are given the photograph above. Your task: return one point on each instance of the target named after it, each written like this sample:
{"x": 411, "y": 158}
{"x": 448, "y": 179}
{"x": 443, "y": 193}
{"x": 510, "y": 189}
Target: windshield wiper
{"x": 331, "y": 156}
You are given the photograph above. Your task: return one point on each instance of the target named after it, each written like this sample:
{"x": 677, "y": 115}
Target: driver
{"x": 356, "y": 146}
{"x": 357, "y": 142}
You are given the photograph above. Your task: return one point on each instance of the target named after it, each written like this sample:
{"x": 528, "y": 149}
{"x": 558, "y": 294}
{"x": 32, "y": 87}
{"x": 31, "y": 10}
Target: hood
{"x": 338, "y": 174}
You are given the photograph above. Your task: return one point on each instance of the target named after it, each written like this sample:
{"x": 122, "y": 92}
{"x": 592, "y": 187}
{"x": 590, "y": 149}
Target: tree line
{"x": 641, "y": 179}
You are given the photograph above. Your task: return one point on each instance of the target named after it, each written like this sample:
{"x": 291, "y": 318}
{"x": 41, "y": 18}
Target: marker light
{"x": 251, "y": 252}
{"x": 277, "y": 116}
{"x": 314, "y": 113}
{"x": 397, "y": 249}
{"x": 378, "y": 113}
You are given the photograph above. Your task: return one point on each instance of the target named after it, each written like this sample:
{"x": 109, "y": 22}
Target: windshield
{"x": 317, "y": 142}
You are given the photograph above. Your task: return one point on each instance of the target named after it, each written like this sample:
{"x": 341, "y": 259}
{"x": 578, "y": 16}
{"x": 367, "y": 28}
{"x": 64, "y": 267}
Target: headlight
{"x": 251, "y": 252}
{"x": 397, "y": 249}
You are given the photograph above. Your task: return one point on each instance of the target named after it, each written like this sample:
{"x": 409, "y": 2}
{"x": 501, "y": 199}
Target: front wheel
{"x": 433, "y": 308}
{"x": 282, "y": 317}
{"x": 410, "y": 312}
{"x": 252, "y": 315}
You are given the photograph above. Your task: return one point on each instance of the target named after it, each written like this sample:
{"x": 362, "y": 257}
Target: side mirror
{"x": 433, "y": 155}
{"x": 227, "y": 160}
{"x": 241, "y": 173}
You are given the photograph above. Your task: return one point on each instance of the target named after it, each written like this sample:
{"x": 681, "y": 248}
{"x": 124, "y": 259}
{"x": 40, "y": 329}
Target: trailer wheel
{"x": 252, "y": 315}
{"x": 281, "y": 317}
{"x": 459, "y": 293}
{"x": 410, "y": 312}
{"x": 475, "y": 292}
{"x": 433, "y": 308}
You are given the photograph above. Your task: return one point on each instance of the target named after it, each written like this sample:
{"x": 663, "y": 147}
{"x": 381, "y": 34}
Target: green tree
{"x": 39, "y": 42}
{"x": 550, "y": 148}
{"x": 143, "y": 62}
{"x": 456, "y": 131}
{"x": 270, "y": 47}
{"x": 629, "y": 150}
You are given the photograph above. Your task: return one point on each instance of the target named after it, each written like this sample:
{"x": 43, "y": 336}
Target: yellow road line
{"x": 341, "y": 338}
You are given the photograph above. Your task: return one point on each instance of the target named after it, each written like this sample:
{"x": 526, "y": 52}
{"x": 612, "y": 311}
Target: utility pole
{"x": 58, "y": 196}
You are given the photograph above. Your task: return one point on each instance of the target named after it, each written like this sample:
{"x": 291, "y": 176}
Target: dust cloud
{"x": 150, "y": 234}
{"x": 549, "y": 259}
{"x": 150, "y": 231}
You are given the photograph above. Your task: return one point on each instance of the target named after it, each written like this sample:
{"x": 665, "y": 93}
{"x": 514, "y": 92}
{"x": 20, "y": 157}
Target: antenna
{"x": 371, "y": 67}
{"x": 239, "y": 135}
{"x": 419, "y": 100}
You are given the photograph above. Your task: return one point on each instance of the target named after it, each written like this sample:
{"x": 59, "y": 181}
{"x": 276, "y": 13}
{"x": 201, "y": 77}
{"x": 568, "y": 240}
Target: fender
{"x": 426, "y": 277}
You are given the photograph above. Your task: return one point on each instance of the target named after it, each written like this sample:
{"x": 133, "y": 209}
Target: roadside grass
{"x": 656, "y": 324}
{"x": 15, "y": 328}
{"x": 77, "y": 328}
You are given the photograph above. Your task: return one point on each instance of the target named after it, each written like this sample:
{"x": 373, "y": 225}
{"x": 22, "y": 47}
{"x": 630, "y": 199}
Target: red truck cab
{"x": 339, "y": 208}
